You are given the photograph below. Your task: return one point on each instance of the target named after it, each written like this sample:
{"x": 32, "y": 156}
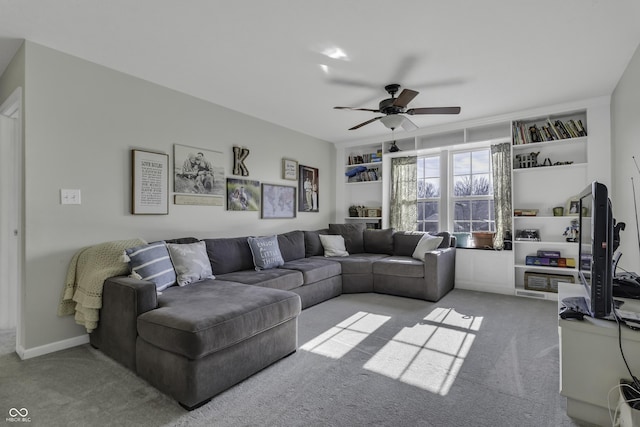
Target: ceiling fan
{"x": 394, "y": 109}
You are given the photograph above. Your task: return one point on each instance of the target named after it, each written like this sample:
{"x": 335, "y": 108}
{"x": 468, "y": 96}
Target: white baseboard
{"x": 484, "y": 287}
{"x": 30, "y": 353}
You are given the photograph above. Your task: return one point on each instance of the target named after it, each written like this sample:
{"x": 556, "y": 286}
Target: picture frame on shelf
{"x": 289, "y": 169}
{"x": 572, "y": 206}
{"x": 149, "y": 183}
{"x": 278, "y": 201}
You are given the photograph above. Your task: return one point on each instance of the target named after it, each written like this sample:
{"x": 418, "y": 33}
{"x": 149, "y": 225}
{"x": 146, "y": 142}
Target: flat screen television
{"x": 595, "y": 253}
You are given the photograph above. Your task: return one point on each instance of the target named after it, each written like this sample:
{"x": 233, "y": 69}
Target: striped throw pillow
{"x": 152, "y": 262}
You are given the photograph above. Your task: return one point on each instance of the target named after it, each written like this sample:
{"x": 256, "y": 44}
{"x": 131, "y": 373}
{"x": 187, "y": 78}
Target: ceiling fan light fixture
{"x": 392, "y": 121}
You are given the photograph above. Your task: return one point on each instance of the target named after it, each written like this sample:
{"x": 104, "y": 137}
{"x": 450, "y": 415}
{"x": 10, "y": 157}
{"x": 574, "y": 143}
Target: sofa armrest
{"x": 439, "y": 272}
{"x": 123, "y": 300}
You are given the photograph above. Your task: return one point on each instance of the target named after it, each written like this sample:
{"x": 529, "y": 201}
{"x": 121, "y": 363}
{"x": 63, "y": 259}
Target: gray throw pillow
{"x": 152, "y": 263}
{"x": 191, "y": 262}
{"x": 353, "y": 236}
{"x": 266, "y": 252}
{"x": 378, "y": 241}
{"x": 312, "y": 243}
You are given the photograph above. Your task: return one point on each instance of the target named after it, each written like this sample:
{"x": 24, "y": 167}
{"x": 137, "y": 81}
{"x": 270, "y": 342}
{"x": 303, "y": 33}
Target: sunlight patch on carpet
{"x": 430, "y": 354}
{"x": 346, "y": 335}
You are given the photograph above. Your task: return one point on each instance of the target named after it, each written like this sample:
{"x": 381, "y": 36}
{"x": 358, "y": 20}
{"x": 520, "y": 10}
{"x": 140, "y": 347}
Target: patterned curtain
{"x": 501, "y": 164}
{"x": 404, "y": 193}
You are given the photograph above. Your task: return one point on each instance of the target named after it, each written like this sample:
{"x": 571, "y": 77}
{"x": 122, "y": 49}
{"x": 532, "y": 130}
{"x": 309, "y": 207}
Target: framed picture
{"x": 278, "y": 201}
{"x": 573, "y": 206}
{"x": 289, "y": 169}
{"x": 243, "y": 195}
{"x": 150, "y": 183}
{"x": 198, "y": 171}
{"x": 308, "y": 191}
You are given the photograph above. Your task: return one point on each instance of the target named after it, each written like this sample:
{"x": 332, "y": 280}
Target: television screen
{"x": 595, "y": 248}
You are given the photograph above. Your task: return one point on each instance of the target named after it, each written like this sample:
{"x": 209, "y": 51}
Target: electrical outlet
{"x": 69, "y": 197}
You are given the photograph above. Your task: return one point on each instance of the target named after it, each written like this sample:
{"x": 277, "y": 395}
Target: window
{"x": 455, "y": 191}
{"x": 472, "y": 191}
{"x": 429, "y": 193}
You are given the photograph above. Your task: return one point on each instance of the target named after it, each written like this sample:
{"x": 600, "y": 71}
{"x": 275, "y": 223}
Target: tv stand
{"x": 590, "y": 360}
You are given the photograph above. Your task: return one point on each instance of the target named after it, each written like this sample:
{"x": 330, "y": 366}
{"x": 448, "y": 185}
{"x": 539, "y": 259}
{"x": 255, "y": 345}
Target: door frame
{"x": 12, "y": 108}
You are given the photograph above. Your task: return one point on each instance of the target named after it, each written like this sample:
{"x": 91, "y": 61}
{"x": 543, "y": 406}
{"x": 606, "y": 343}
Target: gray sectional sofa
{"x": 195, "y": 341}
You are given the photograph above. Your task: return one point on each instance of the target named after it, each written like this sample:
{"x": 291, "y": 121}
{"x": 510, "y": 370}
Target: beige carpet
{"x": 472, "y": 359}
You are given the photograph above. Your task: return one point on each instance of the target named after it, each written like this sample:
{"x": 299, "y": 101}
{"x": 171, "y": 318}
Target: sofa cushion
{"x": 353, "y": 235}
{"x": 359, "y": 263}
{"x": 312, "y": 244}
{"x": 333, "y": 245}
{"x": 314, "y": 269}
{"x": 291, "y": 245}
{"x": 427, "y": 243}
{"x": 266, "y": 252}
{"x": 400, "y": 266}
{"x": 212, "y": 315}
{"x": 229, "y": 254}
{"x": 191, "y": 262}
{"x": 378, "y": 241}
{"x": 275, "y": 278}
{"x": 405, "y": 242}
{"x": 152, "y": 262}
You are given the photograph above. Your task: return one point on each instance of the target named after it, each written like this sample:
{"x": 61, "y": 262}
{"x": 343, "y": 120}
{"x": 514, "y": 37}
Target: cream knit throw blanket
{"x": 88, "y": 270}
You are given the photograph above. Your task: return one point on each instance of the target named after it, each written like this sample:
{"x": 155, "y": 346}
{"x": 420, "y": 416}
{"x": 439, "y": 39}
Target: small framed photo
{"x": 150, "y": 183}
{"x": 278, "y": 201}
{"x": 289, "y": 169}
{"x": 573, "y": 206}
{"x": 243, "y": 194}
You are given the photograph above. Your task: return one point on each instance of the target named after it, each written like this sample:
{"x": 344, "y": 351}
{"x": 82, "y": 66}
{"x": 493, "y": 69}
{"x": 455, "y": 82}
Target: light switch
{"x": 69, "y": 197}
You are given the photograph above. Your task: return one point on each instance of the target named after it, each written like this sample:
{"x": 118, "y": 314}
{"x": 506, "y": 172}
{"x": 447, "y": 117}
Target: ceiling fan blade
{"x": 405, "y": 97}
{"x": 356, "y": 109}
{"x": 366, "y": 123}
{"x": 408, "y": 125}
{"x": 433, "y": 110}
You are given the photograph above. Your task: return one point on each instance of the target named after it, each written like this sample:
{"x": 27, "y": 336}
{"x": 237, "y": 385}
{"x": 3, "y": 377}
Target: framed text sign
{"x": 150, "y": 183}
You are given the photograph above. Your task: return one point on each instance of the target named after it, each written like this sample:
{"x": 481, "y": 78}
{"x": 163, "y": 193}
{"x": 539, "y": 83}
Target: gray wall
{"x": 81, "y": 121}
{"x": 625, "y": 129}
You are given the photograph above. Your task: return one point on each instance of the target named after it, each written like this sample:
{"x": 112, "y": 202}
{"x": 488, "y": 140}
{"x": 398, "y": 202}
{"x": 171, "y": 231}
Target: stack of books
{"x": 546, "y": 258}
{"x": 524, "y": 133}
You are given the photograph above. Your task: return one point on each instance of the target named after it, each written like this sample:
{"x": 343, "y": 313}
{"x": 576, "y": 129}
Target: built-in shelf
{"x": 539, "y": 169}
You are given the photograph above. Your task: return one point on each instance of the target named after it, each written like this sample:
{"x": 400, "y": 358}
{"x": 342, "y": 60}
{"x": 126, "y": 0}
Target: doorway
{"x": 11, "y": 241}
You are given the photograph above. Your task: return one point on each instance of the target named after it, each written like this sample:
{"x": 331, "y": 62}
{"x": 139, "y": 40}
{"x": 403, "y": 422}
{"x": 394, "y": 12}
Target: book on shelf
{"x": 550, "y": 261}
{"x": 357, "y": 159}
{"x": 531, "y": 132}
{"x": 543, "y": 253}
{"x": 366, "y": 175}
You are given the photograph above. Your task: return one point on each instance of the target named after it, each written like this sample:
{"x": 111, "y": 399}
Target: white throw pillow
{"x": 426, "y": 244}
{"x": 333, "y": 245}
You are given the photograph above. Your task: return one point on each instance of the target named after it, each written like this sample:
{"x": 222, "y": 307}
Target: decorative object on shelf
{"x": 278, "y": 201}
{"x": 308, "y": 198}
{"x": 545, "y": 282}
{"x": 243, "y": 195}
{"x": 572, "y": 231}
{"x": 573, "y": 206}
{"x": 558, "y": 211}
{"x": 483, "y": 239}
{"x": 393, "y": 148}
{"x": 149, "y": 182}
{"x": 240, "y": 154}
{"x": 353, "y": 211}
{"x": 525, "y": 212}
{"x": 198, "y": 171}
{"x": 289, "y": 169}
{"x": 528, "y": 234}
{"x": 374, "y": 212}
{"x": 527, "y": 160}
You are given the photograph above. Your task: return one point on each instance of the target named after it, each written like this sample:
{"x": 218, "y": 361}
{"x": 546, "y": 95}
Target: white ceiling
{"x": 265, "y": 58}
